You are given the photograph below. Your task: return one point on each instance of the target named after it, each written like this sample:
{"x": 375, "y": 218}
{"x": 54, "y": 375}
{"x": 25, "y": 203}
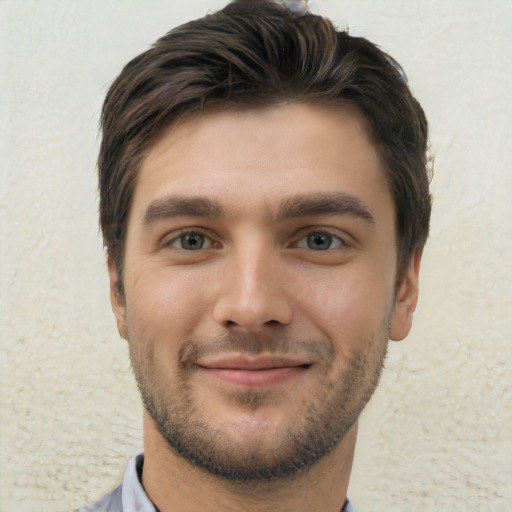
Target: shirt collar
{"x": 134, "y": 498}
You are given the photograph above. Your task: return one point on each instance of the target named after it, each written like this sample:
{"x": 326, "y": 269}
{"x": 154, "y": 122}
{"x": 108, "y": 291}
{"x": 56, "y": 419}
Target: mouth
{"x": 254, "y": 371}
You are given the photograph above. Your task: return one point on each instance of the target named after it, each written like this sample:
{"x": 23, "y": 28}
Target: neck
{"x": 175, "y": 485}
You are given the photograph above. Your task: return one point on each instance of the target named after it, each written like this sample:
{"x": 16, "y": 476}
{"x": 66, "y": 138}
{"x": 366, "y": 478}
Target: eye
{"x": 190, "y": 241}
{"x": 319, "y": 241}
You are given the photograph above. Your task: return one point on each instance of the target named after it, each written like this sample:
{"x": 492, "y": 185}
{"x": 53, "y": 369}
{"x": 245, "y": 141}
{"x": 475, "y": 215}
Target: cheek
{"x": 350, "y": 304}
{"x": 164, "y": 303}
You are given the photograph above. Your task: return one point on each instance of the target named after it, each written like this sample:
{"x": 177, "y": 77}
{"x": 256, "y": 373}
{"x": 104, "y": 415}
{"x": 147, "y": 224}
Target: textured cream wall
{"x": 438, "y": 434}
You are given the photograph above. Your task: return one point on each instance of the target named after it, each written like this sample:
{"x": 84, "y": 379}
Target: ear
{"x": 406, "y": 299}
{"x": 116, "y": 298}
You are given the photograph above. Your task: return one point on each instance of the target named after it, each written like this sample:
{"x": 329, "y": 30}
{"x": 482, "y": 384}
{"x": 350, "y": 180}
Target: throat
{"x": 173, "y": 484}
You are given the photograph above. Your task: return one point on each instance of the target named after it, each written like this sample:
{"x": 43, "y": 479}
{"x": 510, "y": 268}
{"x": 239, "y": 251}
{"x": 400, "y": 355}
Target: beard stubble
{"x": 320, "y": 421}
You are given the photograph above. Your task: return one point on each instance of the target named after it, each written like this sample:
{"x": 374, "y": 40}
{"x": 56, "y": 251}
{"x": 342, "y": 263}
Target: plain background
{"x": 438, "y": 434}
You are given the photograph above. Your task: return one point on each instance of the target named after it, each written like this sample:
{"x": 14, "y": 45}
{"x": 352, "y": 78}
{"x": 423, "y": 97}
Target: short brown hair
{"x": 251, "y": 54}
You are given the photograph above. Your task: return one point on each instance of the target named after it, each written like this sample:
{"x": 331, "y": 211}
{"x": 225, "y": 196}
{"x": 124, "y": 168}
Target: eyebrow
{"x": 306, "y": 205}
{"x": 176, "y": 206}
{"x": 325, "y": 204}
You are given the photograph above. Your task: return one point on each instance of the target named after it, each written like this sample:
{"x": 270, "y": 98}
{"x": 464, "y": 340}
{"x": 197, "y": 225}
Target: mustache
{"x": 192, "y": 351}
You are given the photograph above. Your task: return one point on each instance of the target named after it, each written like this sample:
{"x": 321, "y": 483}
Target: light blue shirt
{"x": 134, "y": 497}
{"x": 129, "y": 495}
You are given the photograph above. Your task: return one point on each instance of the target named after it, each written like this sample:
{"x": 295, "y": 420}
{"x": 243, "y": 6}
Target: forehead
{"x": 263, "y": 156}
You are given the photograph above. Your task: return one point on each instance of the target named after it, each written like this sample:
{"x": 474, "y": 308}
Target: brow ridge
{"x": 304, "y": 205}
{"x": 335, "y": 203}
{"x": 176, "y": 206}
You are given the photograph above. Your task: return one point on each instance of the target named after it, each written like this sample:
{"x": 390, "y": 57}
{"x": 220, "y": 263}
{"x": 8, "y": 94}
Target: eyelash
{"x": 212, "y": 244}
{"x": 333, "y": 239}
{"x": 180, "y": 234}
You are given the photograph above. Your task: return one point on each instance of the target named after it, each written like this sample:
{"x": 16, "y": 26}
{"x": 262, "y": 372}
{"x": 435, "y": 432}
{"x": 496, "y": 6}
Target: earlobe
{"x": 116, "y": 299}
{"x": 406, "y": 299}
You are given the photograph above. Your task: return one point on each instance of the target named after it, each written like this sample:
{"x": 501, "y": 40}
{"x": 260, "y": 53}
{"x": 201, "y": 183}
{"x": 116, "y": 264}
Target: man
{"x": 264, "y": 203}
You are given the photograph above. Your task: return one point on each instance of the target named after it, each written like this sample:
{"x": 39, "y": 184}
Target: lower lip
{"x": 255, "y": 378}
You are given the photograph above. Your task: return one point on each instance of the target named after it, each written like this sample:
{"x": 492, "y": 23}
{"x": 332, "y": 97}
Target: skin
{"x": 241, "y": 318}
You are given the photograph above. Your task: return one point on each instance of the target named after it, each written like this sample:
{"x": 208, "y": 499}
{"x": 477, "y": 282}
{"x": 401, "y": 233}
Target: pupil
{"x": 319, "y": 241}
{"x": 193, "y": 242}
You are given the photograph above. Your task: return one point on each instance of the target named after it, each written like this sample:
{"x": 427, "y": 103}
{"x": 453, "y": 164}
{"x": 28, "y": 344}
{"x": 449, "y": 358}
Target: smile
{"x": 255, "y": 372}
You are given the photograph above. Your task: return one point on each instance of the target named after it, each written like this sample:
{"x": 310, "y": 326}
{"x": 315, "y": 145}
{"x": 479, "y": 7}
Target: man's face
{"x": 259, "y": 285}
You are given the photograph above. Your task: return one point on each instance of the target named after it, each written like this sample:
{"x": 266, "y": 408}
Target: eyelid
{"x": 171, "y": 237}
{"x": 343, "y": 238}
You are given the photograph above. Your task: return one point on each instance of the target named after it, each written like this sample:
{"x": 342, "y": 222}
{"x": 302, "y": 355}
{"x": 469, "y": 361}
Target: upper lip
{"x": 244, "y": 362}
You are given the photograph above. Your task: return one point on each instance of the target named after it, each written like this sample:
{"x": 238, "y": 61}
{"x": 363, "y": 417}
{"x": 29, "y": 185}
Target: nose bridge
{"x": 253, "y": 294}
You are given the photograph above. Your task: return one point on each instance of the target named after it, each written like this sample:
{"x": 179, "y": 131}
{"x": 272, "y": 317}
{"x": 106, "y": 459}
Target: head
{"x": 256, "y": 54}
{"x": 253, "y": 309}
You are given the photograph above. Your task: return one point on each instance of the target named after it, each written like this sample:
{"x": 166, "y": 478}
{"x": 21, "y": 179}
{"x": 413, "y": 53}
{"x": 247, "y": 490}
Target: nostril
{"x": 252, "y": 312}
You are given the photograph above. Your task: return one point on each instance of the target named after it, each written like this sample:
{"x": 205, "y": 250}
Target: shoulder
{"x": 111, "y": 502}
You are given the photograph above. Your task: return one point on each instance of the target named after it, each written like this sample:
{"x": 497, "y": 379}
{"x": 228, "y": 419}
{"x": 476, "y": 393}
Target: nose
{"x": 253, "y": 293}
